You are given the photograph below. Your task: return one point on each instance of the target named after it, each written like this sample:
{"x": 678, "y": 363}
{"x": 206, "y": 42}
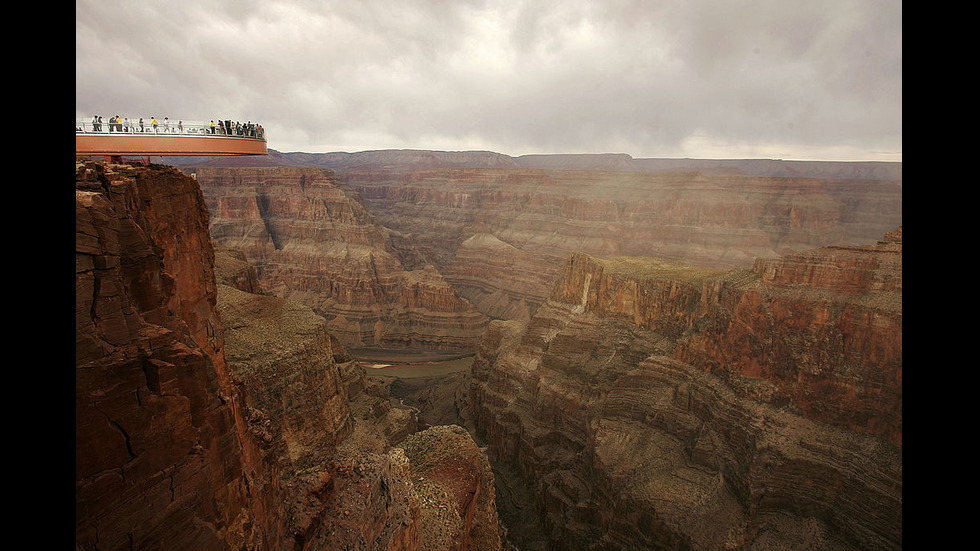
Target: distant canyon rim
{"x": 665, "y": 353}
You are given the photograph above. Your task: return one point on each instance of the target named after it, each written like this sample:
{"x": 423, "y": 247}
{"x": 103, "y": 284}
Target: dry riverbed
{"x": 411, "y": 364}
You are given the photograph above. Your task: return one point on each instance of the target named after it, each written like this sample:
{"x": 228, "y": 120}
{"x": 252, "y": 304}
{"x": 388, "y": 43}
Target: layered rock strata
{"x": 408, "y": 159}
{"x": 162, "y": 457}
{"x": 304, "y": 395}
{"x": 707, "y": 219}
{"x": 311, "y": 243}
{"x": 208, "y": 417}
{"x": 654, "y": 404}
{"x": 355, "y": 473}
{"x": 498, "y": 232}
{"x": 824, "y": 330}
{"x": 281, "y": 352}
{"x": 499, "y": 279}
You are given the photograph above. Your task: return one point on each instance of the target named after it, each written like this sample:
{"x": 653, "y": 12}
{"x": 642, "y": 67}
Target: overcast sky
{"x": 786, "y": 79}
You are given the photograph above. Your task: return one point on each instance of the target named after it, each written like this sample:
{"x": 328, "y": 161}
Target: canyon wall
{"x": 491, "y": 217}
{"x": 711, "y": 220}
{"x": 354, "y": 471}
{"x": 311, "y": 243}
{"x": 650, "y": 403}
{"x": 676, "y": 363}
{"x": 618, "y": 162}
{"x": 212, "y": 417}
{"x": 822, "y": 327}
{"x": 497, "y": 228}
{"x": 162, "y": 459}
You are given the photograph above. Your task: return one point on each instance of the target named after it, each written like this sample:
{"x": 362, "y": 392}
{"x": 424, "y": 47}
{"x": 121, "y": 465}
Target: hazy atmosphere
{"x": 702, "y": 79}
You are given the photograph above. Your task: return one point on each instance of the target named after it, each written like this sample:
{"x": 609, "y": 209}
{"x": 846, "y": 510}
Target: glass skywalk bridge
{"x": 167, "y": 138}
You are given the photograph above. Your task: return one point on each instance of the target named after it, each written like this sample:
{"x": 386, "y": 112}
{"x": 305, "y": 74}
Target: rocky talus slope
{"x": 313, "y": 244}
{"x": 212, "y": 417}
{"x": 649, "y": 403}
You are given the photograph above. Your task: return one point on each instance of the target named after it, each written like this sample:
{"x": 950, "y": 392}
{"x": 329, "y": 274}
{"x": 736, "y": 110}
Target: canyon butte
{"x": 666, "y": 354}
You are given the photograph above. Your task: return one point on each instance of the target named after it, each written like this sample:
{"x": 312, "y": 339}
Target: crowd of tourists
{"x": 234, "y": 128}
{"x": 223, "y": 127}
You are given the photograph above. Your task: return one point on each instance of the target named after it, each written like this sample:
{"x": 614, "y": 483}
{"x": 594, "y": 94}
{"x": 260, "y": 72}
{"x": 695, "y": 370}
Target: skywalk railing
{"x": 167, "y": 127}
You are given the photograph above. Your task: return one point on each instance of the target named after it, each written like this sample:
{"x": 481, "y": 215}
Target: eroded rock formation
{"x": 501, "y": 280}
{"x": 498, "y": 228}
{"x": 311, "y": 243}
{"x": 162, "y": 456}
{"x": 709, "y": 219}
{"x": 354, "y": 471}
{"x": 209, "y": 417}
{"x": 823, "y": 328}
{"x": 653, "y": 404}
{"x": 455, "y": 486}
{"x": 649, "y": 403}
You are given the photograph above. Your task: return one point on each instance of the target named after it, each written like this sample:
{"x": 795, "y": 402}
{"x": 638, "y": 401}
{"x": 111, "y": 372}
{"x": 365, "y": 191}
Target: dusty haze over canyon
{"x": 665, "y": 353}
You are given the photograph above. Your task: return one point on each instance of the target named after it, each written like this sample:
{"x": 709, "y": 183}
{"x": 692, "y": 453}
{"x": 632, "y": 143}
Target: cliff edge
{"x": 211, "y": 417}
{"x": 161, "y": 460}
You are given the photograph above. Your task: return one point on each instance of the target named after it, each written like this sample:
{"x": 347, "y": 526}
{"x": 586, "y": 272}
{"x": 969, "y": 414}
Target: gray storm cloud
{"x": 695, "y": 79}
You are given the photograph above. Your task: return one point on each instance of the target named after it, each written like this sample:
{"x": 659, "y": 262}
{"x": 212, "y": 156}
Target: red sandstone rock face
{"x": 311, "y": 243}
{"x": 161, "y": 461}
{"x": 824, "y": 327}
{"x": 652, "y": 403}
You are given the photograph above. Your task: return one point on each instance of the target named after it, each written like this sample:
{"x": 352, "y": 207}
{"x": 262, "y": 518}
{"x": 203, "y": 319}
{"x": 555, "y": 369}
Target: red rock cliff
{"x": 161, "y": 460}
{"x": 823, "y": 327}
{"x": 252, "y": 429}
